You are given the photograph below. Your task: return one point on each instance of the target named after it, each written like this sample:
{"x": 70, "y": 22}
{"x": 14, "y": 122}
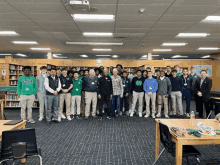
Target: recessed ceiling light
{"x": 25, "y": 42}
{"x": 103, "y": 55}
{"x": 102, "y": 49}
{"x": 192, "y": 35}
{"x": 174, "y": 44}
{"x": 212, "y": 18}
{"x": 93, "y": 17}
{"x": 162, "y": 50}
{"x": 154, "y": 55}
{"x": 179, "y": 56}
{"x": 115, "y": 56}
{"x": 91, "y": 34}
{"x": 40, "y": 48}
{"x": 5, "y": 54}
{"x": 83, "y": 55}
{"x": 8, "y": 33}
{"x": 93, "y": 43}
{"x": 205, "y": 56}
{"x": 205, "y": 48}
{"x": 57, "y": 54}
{"x": 19, "y": 54}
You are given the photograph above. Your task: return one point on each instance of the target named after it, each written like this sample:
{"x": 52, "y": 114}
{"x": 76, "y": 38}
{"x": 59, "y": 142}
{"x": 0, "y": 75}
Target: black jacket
{"x": 205, "y": 88}
{"x": 105, "y": 86}
{"x": 189, "y": 83}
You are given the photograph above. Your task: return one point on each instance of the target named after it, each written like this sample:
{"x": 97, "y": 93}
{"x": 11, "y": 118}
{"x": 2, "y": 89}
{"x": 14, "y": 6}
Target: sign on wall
{"x": 208, "y": 68}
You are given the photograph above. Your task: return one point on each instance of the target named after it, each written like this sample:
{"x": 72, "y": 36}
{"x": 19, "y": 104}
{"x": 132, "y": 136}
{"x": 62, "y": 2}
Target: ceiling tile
{"x": 131, "y": 30}
{"x": 33, "y": 1}
{"x": 195, "y": 2}
{"x": 13, "y": 17}
{"x": 136, "y": 18}
{"x": 185, "y": 18}
{"x": 24, "y": 28}
{"x": 57, "y": 24}
{"x": 149, "y": 2}
{"x": 6, "y": 8}
{"x": 166, "y": 30}
{"x": 61, "y": 29}
{"x": 50, "y": 17}
{"x": 134, "y": 25}
{"x": 173, "y": 25}
{"x": 17, "y": 23}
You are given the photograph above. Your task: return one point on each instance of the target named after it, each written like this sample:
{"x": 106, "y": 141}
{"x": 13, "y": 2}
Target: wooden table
{"x": 186, "y": 139}
{"x": 20, "y": 125}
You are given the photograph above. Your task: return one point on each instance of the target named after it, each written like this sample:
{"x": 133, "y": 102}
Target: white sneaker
{"x": 69, "y": 118}
{"x": 59, "y": 119}
{"x": 166, "y": 116}
{"x": 153, "y": 116}
{"x": 31, "y": 121}
{"x": 131, "y": 114}
{"x": 158, "y": 115}
{"x": 147, "y": 115}
{"x": 63, "y": 116}
{"x": 41, "y": 118}
{"x": 140, "y": 114}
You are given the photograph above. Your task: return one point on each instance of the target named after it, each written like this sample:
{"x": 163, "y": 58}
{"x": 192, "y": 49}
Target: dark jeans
{"x": 187, "y": 94}
{"x": 115, "y": 104}
{"x": 200, "y": 107}
{"x": 105, "y": 98}
{"x": 125, "y": 102}
{"x": 196, "y": 97}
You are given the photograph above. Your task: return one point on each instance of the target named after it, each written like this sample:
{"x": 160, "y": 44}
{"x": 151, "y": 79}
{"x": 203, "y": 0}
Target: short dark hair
{"x": 157, "y": 70}
{"x": 144, "y": 71}
{"x": 174, "y": 70}
{"x": 176, "y": 65}
{"x": 86, "y": 70}
{"x": 97, "y": 69}
{"x": 185, "y": 69}
{"x": 57, "y": 68}
{"x": 73, "y": 68}
{"x": 162, "y": 71}
{"x": 148, "y": 68}
{"x": 191, "y": 67}
{"x": 168, "y": 66}
{"x": 64, "y": 69}
{"x": 75, "y": 72}
{"x": 49, "y": 70}
{"x": 43, "y": 67}
{"x": 26, "y": 67}
{"x": 138, "y": 70}
{"x": 149, "y": 72}
{"x": 119, "y": 65}
{"x": 53, "y": 68}
{"x": 81, "y": 70}
{"x": 124, "y": 72}
{"x": 69, "y": 71}
{"x": 203, "y": 71}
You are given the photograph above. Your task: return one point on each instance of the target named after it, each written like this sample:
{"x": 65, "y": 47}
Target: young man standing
{"x": 65, "y": 94}
{"x": 76, "y": 95}
{"x": 58, "y": 71}
{"x": 179, "y": 72}
{"x": 105, "y": 92}
{"x": 52, "y": 85}
{"x": 130, "y": 77}
{"x": 186, "y": 90}
{"x": 138, "y": 93}
{"x": 26, "y": 89}
{"x": 117, "y": 93}
{"x": 150, "y": 88}
{"x": 90, "y": 84}
{"x": 119, "y": 68}
{"x": 163, "y": 92}
{"x": 127, "y": 88}
{"x": 176, "y": 95}
{"x": 168, "y": 72}
{"x": 86, "y": 74}
{"x": 157, "y": 72}
{"x": 41, "y": 91}
{"x": 81, "y": 74}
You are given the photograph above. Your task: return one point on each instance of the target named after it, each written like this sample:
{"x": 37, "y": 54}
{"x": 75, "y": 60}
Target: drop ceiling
{"x": 50, "y": 24}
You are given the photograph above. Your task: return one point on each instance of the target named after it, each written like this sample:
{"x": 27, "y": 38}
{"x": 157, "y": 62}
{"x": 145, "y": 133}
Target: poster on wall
{"x": 208, "y": 68}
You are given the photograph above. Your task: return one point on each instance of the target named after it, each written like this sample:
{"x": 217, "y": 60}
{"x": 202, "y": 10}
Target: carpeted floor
{"x": 122, "y": 141}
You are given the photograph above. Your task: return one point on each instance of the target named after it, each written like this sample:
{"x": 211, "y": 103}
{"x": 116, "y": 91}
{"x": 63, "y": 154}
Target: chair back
{"x": 15, "y": 139}
{"x": 165, "y": 138}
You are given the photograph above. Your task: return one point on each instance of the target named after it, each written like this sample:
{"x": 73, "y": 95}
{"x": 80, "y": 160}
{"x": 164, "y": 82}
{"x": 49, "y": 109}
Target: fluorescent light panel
{"x": 155, "y": 55}
{"x": 83, "y": 55}
{"x": 8, "y": 33}
{"x": 91, "y": 34}
{"x": 102, "y": 49}
{"x": 179, "y": 56}
{"x": 25, "y": 42}
{"x": 206, "y": 48}
{"x": 144, "y": 56}
{"x": 93, "y": 17}
{"x": 103, "y": 55}
{"x": 162, "y": 50}
{"x": 19, "y": 54}
{"x": 115, "y": 56}
{"x": 40, "y": 48}
{"x": 212, "y": 18}
{"x": 205, "y": 56}
{"x": 93, "y": 43}
{"x": 174, "y": 44}
{"x": 192, "y": 35}
{"x": 5, "y": 54}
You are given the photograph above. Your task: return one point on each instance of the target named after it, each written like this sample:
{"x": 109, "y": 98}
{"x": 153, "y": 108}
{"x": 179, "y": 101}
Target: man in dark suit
{"x": 203, "y": 86}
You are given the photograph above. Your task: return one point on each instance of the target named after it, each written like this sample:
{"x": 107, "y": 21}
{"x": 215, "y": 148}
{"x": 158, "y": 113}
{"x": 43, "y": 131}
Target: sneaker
{"x": 140, "y": 115}
{"x": 120, "y": 113}
{"x": 158, "y": 115}
{"x": 72, "y": 117}
{"x": 69, "y": 118}
{"x": 109, "y": 117}
{"x": 31, "y": 121}
{"x": 41, "y": 118}
{"x": 63, "y": 116}
{"x": 147, "y": 115}
{"x": 187, "y": 115}
{"x": 59, "y": 119}
{"x": 78, "y": 117}
{"x": 127, "y": 113}
{"x": 153, "y": 116}
{"x": 166, "y": 116}
{"x": 131, "y": 114}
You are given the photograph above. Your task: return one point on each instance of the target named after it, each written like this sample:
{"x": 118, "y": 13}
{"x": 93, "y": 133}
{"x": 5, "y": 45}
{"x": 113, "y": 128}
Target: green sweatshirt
{"x": 27, "y": 85}
{"x": 179, "y": 74}
{"x": 110, "y": 75}
{"x": 77, "y": 87}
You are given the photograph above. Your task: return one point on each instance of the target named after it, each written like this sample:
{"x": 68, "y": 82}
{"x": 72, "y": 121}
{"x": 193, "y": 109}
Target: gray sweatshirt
{"x": 40, "y": 84}
{"x": 164, "y": 86}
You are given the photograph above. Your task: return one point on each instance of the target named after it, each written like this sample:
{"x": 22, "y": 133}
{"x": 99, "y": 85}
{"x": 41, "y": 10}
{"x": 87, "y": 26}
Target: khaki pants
{"x": 138, "y": 96}
{"x": 76, "y": 101}
{"x": 176, "y": 96}
{"x": 26, "y": 101}
{"x": 162, "y": 99}
{"x": 43, "y": 103}
{"x": 67, "y": 98}
{"x": 151, "y": 97}
{"x": 90, "y": 97}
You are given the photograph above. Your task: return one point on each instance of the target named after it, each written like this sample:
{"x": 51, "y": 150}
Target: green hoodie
{"x": 77, "y": 87}
{"x": 26, "y": 85}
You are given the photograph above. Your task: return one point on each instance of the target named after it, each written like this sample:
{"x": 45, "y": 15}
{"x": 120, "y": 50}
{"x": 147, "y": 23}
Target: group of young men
{"x": 113, "y": 91}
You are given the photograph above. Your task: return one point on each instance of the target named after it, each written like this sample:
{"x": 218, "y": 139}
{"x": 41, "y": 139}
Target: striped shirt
{"x": 117, "y": 85}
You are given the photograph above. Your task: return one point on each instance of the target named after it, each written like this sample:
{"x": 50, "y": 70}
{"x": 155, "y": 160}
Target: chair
{"x": 217, "y": 105}
{"x": 19, "y": 144}
{"x": 169, "y": 145}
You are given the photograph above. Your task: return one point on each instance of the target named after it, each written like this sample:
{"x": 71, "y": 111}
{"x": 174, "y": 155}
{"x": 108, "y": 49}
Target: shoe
{"x": 117, "y": 116}
{"x": 147, "y": 115}
{"x": 78, "y": 117}
{"x": 109, "y": 117}
{"x": 41, "y": 118}
{"x": 48, "y": 122}
{"x": 31, "y": 121}
{"x": 140, "y": 115}
{"x": 63, "y": 116}
{"x": 59, "y": 119}
{"x": 52, "y": 119}
{"x": 56, "y": 121}
{"x": 131, "y": 114}
{"x": 94, "y": 117}
{"x": 120, "y": 113}
{"x": 86, "y": 117}
{"x": 187, "y": 115}
{"x": 100, "y": 118}
{"x": 69, "y": 118}
{"x": 166, "y": 116}
{"x": 158, "y": 115}
{"x": 153, "y": 116}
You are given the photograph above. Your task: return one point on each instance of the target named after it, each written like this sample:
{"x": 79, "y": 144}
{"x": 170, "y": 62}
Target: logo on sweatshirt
{"x": 138, "y": 83}
{"x": 27, "y": 82}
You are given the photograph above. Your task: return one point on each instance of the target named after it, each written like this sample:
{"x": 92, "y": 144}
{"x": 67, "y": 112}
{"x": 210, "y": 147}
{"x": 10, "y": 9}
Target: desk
{"x": 186, "y": 139}
{"x": 20, "y": 125}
